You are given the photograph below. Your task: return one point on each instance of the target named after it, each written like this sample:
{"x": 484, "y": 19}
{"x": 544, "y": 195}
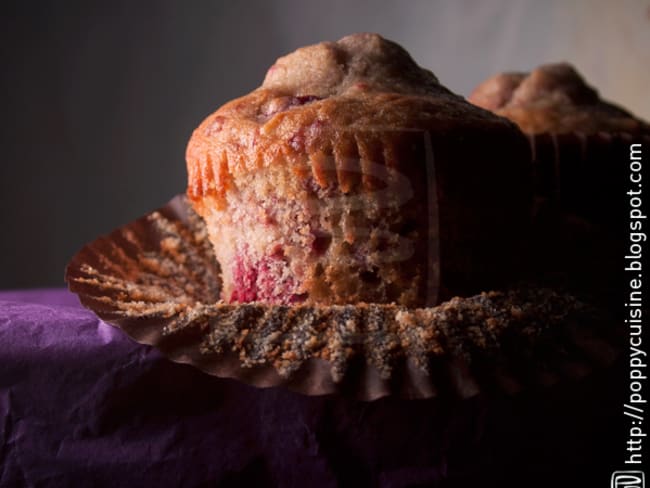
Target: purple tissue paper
{"x": 81, "y": 404}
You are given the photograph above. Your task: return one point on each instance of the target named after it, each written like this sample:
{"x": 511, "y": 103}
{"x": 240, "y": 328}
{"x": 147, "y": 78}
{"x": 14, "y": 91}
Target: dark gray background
{"x": 99, "y": 98}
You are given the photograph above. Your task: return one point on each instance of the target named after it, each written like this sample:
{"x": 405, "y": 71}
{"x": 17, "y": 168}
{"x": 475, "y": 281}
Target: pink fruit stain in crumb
{"x": 281, "y": 104}
{"x": 303, "y": 99}
{"x": 245, "y": 278}
{"x": 306, "y": 134}
{"x": 264, "y": 280}
{"x": 215, "y": 126}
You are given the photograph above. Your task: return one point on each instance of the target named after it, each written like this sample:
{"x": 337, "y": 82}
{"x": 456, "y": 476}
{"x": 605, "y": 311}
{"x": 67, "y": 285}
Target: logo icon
{"x": 627, "y": 479}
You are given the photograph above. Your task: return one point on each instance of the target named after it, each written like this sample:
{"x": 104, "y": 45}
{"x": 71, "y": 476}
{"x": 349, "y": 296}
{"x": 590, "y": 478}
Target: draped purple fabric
{"x": 81, "y": 404}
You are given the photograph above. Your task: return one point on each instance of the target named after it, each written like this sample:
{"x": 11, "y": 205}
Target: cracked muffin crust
{"x": 351, "y": 175}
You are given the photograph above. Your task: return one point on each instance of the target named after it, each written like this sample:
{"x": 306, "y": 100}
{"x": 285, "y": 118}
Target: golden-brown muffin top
{"x": 318, "y": 95}
{"x": 355, "y": 64}
{"x": 553, "y": 98}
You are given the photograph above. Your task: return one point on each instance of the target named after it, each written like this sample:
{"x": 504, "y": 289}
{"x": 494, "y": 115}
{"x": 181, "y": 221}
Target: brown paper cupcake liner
{"x": 156, "y": 279}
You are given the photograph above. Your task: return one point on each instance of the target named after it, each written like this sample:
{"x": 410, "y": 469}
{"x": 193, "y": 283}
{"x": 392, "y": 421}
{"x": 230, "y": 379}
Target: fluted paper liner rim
{"x": 157, "y": 280}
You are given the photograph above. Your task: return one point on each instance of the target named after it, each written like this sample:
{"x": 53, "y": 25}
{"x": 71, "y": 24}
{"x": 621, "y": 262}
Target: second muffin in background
{"x": 580, "y": 147}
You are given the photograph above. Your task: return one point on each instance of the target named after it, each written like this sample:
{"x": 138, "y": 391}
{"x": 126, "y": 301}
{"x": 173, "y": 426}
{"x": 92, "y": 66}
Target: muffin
{"x": 355, "y": 188}
{"x": 554, "y": 98}
{"x": 579, "y": 144}
{"x": 352, "y": 175}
